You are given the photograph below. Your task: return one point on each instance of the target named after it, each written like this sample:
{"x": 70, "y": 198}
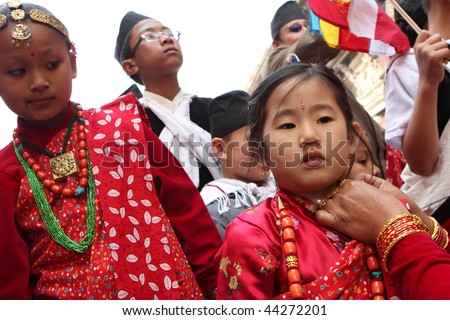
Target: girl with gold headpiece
{"x": 87, "y": 209}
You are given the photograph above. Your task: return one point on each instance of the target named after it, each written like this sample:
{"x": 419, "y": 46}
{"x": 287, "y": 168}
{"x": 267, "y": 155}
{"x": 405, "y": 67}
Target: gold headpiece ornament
{"x": 20, "y": 33}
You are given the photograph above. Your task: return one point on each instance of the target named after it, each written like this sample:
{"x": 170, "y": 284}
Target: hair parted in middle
{"x": 302, "y": 72}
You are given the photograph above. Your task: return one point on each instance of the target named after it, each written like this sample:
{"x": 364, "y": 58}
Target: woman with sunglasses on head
{"x": 293, "y": 43}
{"x": 149, "y": 52}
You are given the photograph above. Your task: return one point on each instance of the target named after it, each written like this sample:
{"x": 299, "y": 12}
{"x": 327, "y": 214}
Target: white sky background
{"x": 222, "y": 44}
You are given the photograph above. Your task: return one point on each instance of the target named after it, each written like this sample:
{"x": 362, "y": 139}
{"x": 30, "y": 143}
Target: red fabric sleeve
{"x": 187, "y": 212}
{"x": 420, "y": 270}
{"x": 241, "y": 272}
{"x": 15, "y": 263}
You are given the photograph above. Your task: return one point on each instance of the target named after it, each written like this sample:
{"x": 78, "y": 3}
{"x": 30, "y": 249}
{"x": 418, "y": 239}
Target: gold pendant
{"x": 63, "y": 165}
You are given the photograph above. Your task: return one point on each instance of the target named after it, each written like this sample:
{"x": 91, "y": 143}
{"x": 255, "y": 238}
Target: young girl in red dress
{"x": 301, "y": 124}
{"x": 87, "y": 204}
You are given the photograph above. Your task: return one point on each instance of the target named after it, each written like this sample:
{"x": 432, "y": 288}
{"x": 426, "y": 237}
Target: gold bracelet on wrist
{"x": 396, "y": 229}
{"x": 439, "y": 235}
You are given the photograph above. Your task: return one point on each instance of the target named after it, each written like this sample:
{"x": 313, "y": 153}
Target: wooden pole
{"x": 405, "y": 16}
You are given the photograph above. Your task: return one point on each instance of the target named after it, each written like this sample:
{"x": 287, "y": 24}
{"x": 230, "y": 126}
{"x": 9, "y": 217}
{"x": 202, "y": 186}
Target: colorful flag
{"x": 357, "y": 25}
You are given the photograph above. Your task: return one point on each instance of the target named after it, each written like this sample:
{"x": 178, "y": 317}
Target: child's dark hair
{"x": 15, "y": 12}
{"x": 416, "y": 12}
{"x": 301, "y": 72}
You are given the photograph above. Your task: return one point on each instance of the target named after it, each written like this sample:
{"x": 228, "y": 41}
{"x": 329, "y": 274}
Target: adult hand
{"x": 361, "y": 207}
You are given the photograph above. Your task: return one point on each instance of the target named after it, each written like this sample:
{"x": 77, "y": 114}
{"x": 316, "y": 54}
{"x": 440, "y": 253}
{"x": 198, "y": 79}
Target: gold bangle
{"x": 446, "y": 239}
{"x": 435, "y": 228}
{"x": 391, "y": 221}
{"x": 396, "y": 229}
{"x": 440, "y": 235}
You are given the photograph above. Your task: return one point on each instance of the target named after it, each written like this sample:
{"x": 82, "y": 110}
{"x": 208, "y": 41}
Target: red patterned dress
{"x": 252, "y": 265}
{"x": 146, "y": 245}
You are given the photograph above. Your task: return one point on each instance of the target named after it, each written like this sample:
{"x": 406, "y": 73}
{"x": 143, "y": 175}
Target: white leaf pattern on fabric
{"x": 102, "y": 122}
{"x": 133, "y": 220}
{"x": 129, "y": 194}
{"x": 133, "y": 203}
{"x": 146, "y": 203}
{"x": 113, "y": 193}
{"x": 167, "y": 282}
{"x": 153, "y": 286}
{"x": 115, "y": 175}
{"x": 133, "y": 156}
{"x": 132, "y": 258}
{"x": 167, "y": 249}
{"x": 98, "y": 150}
{"x": 133, "y": 277}
{"x": 114, "y": 255}
{"x": 147, "y": 217}
{"x": 133, "y": 142}
{"x": 122, "y": 212}
{"x": 131, "y": 238}
{"x": 137, "y": 204}
{"x": 99, "y": 136}
{"x": 95, "y": 170}
{"x": 156, "y": 220}
{"x": 136, "y": 234}
{"x": 118, "y": 158}
{"x": 147, "y": 242}
{"x": 165, "y": 266}
{"x": 148, "y": 177}
{"x": 113, "y": 246}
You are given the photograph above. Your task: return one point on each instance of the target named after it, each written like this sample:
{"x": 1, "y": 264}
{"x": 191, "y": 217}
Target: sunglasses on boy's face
{"x": 296, "y": 27}
{"x": 155, "y": 36}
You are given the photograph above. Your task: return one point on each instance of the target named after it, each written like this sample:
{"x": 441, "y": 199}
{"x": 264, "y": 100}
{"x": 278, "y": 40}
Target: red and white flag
{"x": 360, "y": 24}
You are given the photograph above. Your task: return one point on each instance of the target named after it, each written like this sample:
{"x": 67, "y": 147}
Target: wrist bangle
{"x": 439, "y": 235}
{"x": 396, "y": 229}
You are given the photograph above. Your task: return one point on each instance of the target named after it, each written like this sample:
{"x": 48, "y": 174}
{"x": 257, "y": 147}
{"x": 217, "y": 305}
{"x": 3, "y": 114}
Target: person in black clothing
{"x": 149, "y": 52}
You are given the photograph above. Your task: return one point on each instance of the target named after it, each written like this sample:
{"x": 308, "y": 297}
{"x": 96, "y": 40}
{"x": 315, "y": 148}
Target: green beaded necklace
{"x": 48, "y": 216}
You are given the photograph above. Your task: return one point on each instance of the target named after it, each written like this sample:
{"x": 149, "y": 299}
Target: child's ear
{"x": 73, "y": 62}
{"x": 129, "y": 66}
{"x": 218, "y": 148}
{"x": 356, "y": 134}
